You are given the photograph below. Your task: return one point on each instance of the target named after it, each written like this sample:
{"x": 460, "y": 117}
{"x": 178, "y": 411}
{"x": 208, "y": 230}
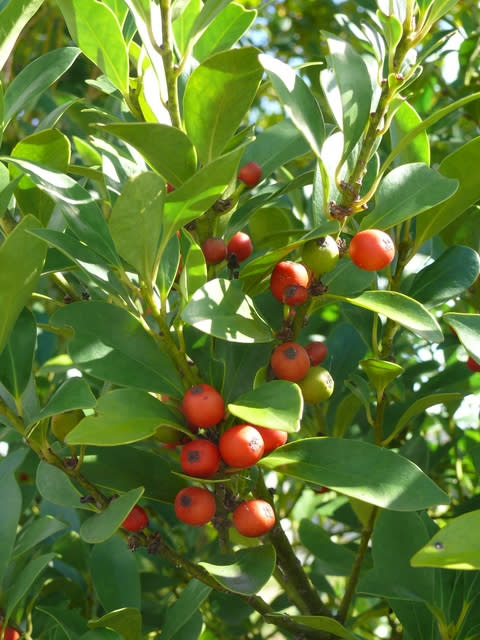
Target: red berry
{"x": 295, "y": 294}
{"x": 253, "y": 518}
{"x": 241, "y": 446}
{"x": 200, "y": 458}
{"x": 241, "y": 245}
{"x": 472, "y": 364}
{"x": 203, "y": 406}
{"x": 194, "y": 505}
{"x": 317, "y": 352}
{"x": 371, "y": 249}
{"x": 214, "y": 250}
{"x": 286, "y": 274}
{"x": 250, "y": 174}
{"x": 137, "y": 519}
{"x": 10, "y": 633}
{"x": 290, "y": 361}
{"x": 272, "y": 438}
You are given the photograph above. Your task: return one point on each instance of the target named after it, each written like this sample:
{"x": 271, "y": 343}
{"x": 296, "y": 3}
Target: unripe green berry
{"x": 317, "y": 385}
{"x": 320, "y": 255}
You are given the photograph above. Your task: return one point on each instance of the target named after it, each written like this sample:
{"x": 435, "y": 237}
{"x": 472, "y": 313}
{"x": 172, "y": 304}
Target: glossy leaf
{"x": 102, "y": 526}
{"x": 194, "y": 273}
{"x": 17, "y": 285}
{"x": 458, "y": 165}
{"x": 224, "y": 30}
{"x": 139, "y": 468}
{"x": 210, "y": 9}
{"x": 277, "y": 404}
{"x": 467, "y": 328}
{"x": 405, "y": 192}
{"x": 16, "y": 360}
{"x": 217, "y": 97}
{"x": 300, "y": 104}
{"x": 360, "y": 470}
{"x": 136, "y": 222}
{"x": 182, "y": 610}
{"x": 221, "y": 309}
{"x": 39, "y": 530}
{"x": 11, "y": 510}
{"x": 74, "y": 393}
{"x": 96, "y": 30}
{"x": 127, "y": 621}
{"x": 353, "y": 82}
{"x": 455, "y": 546}
{"x": 398, "y": 307}
{"x": 405, "y": 119}
{"x": 37, "y": 76}
{"x": 323, "y": 623}
{"x": 25, "y": 580}
{"x": 250, "y": 571}
{"x": 121, "y": 417}
{"x": 113, "y": 564}
{"x": 447, "y": 277}
{"x": 13, "y": 17}
{"x": 331, "y": 558}
{"x": 110, "y": 344}
{"x": 55, "y": 486}
{"x": 183, "y": 16}
{"x": 167, "y": 150}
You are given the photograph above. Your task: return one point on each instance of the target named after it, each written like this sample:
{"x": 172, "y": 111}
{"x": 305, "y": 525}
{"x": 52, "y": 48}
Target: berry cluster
{"x": 238, "y": 248}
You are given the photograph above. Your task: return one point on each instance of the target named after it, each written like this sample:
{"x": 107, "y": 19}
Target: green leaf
{"x": 360, "y": 470}
{"x": 405, "y": 192}
{"x": 217, "y": 97}
{"x": 38, "y": 531}
{"x": 184, "y": 14}
{"x": 37, "y": 76}
{"x": 127, "y": 622}
{"x": 467, "y": 328}
{"x": 405, "y": 119}
{"x": 54, "y": 485}
{"x": 331, "y": 558}
{"x": 13, "y": 17}
{"x": 277, "y": 404}
{"x": 121, "y": 417}
{"x": 224, "y": 31}
{"x": 102, "y": 526}
{"x": 11, "y": 510}
{"x": 139, "y": 468}
{"x": 68, "y": 623}
{"x": 250, "y": 571}
{"x": 110, "y": 344}
{"x": 210, "y": 9}
{"x": 27, "y": 254}
{"x": 25, "y": 580}
{"x": 96, "y": 30}
{"x": 74, "y": 393}
{"x": 113, "y": 564}
{"x": 322, "y": 623}
{"x": 194, "y": 273}
{"x": 398, "y": 307}
{"x": 16, "y": 360}
{"x": 448, "y": 277}
{"x": 455, "y": 546}
{"x": 347, "y": 279}
{"x": 353, "y": 82}
{"x": 300, "y": 103}
{"x": 182, "y": 610}
{"x": 136, "y": 222}
{"x": 167, "y": 150}
{"x": 221, "y": 309}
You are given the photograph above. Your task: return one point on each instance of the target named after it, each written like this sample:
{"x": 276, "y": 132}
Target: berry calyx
{"x": 320, "y": 255}
{"x": 240, "y": 245}
{"x": 200, "y": 458}
{"x": 215, "y": 250}
{"x": 272, "y": 438}
{"x": 194, "y": 505}
{"x": 317, "y": 352}
{"x": 295, "y": 295}
{"x": 317, "y": 385}
{"x": 250, "y": 174}
{"x": 203, "y": 406}
{"x": 473, "y": 365}
{"x": 285, "y": 274}
{"x": 241, "y": 446}
{"x": 136, "y": 520}
{"x": 253, "y": 518}
{"x": 290, "y": 361}
{"x": 371, "y": 249}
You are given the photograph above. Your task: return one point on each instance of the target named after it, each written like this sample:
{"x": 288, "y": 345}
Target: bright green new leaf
{"x": 405, "y": 192}
{"x": 300, "y": 103}
{"x": 96, "y": 30}
{"x": 455, "y": 546}
{"x": 360, "y": 470}
{"x": 13, "y": 17}
{"x": 277, "y": 404}
{"x": 74, "y": 393}
{"x": 102, "y": 526}
{"x": 249, "y": 572}
{"x": 194, "y": 274}
{"x": 17, "y": 358}
{"x": 405, "y": 119}
{"x": 11, "y": 510}
{"x": 55, "y": 486}
{"x": 467, "y": 328}
{"x": 167, "y": 150}
{"x": 184, "y": 14}
{"x": 111, "y": 564}
{"x": 123, "y": 416}
{"x": 127, "y": 621}
{"x": 17, "y": 285}
{"x": 221, "y": 309}
{"x": 182, "y": 610}
{"x": 210, "y": 9}
{"x": 217, "y": 97}
{"x": 224, "y": 31}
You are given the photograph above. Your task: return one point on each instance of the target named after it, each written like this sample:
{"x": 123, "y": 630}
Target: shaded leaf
{"x": 127, "y": 622}
{"x": 40, "y": 529}
{"x": 102, "y": 526}
{"x": 74, "y": 393}
{"x": 113, "y": 564}
{"x": 16, "y": 360}
{"x": 24, "y": 581}
{"x": 181, "y": 612}
{"x": 55, "y": 486}
{"x": 467, "y": 328}
{"x": 11, "y": 510}
{"x": 331, "y": 558}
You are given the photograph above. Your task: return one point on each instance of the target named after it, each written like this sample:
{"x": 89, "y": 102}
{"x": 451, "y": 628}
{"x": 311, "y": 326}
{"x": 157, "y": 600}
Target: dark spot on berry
{"x": 185, "y": 501}
{"x": 193, "y": 456}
